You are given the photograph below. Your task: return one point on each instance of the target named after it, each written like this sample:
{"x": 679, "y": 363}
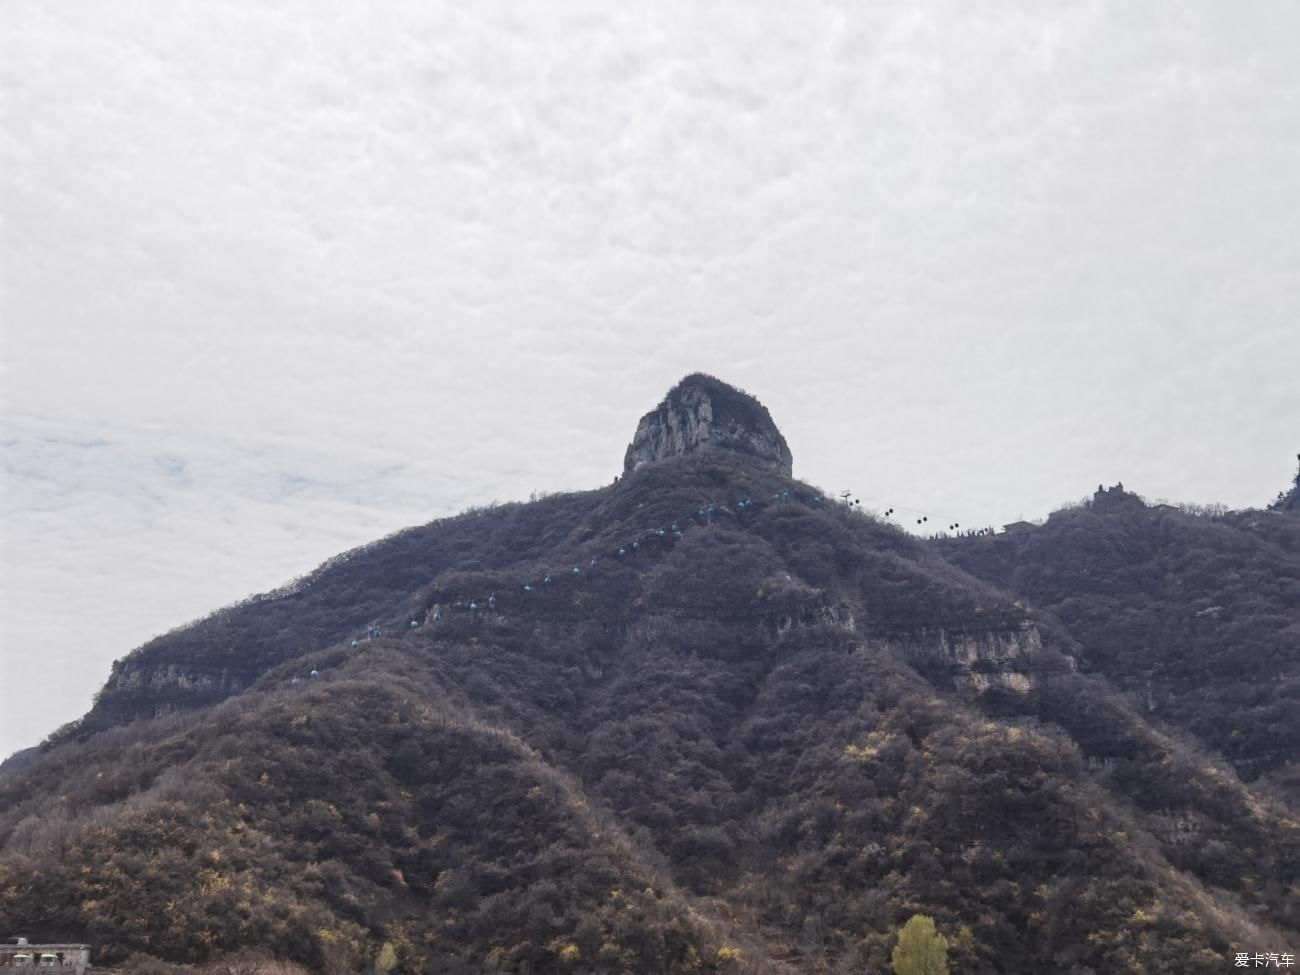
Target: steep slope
{"x": 1195, "y": 617}
{"x": 703, "y": 720}
{"x": 222, "y": 654}
{"x": 379, "y": 808}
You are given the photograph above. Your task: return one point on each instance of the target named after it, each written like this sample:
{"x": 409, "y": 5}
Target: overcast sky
{"x": 282, "y": 276}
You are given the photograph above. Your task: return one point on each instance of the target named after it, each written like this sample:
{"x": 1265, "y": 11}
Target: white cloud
{"x": 307, "y": 273}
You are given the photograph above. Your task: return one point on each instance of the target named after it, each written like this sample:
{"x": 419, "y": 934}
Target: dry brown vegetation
{"x": 707, "y": 755}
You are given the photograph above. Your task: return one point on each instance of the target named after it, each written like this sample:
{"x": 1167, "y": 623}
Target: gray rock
{"x": 704, "y": 413}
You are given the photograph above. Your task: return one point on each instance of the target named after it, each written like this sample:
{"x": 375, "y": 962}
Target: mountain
{"x": 1195, "y": 618}
{"x": 701, "y": 720}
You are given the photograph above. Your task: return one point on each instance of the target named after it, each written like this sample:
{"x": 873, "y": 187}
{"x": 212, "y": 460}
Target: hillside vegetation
{"x": 760, "y": 739}
{"x": 1195, "y": 617}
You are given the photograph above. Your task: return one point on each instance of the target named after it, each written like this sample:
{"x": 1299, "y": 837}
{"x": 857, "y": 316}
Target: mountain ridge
{"x": 753, "y": 731}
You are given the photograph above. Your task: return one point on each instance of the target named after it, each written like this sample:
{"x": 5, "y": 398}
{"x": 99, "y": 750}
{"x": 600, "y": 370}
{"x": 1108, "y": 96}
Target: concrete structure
{"x": 1018, "y": 526}
{"x": 65, "y": 958}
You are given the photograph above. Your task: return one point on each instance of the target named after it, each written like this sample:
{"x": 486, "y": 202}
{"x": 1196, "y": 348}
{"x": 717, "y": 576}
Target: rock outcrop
{"x": 1289, "y": 500}
{"x": 704, "y": 413}
{"x": 980, "y": 659}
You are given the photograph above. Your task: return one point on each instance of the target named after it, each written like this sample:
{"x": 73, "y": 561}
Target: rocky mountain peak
{"x": 704, "y": 413}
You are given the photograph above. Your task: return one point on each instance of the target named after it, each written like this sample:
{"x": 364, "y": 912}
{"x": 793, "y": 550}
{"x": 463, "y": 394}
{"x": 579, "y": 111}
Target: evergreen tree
{"x": 921, "y": 950}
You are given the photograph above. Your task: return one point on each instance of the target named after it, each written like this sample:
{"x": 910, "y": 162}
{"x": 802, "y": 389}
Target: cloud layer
{"x": 280, "y": 277}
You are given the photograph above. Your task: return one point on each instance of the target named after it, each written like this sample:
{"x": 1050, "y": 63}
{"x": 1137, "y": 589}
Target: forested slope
{"x": 703, "y": 720}
{"x": 758, "y": 741}
{"x": 1196, "y": 617}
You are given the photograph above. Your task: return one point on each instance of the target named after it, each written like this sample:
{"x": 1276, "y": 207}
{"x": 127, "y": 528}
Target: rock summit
{"x": 704, "y": 413}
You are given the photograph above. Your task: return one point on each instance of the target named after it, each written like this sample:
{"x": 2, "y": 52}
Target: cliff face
{"x": 703, "y": 413}
{"x": 982, "y": 658}
{"x": 150, "y": 690}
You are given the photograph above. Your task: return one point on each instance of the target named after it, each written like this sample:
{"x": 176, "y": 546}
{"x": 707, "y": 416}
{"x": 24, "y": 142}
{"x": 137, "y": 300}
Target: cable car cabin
{"x": 48, "y": 960}
{"x": 23, "y": 960}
